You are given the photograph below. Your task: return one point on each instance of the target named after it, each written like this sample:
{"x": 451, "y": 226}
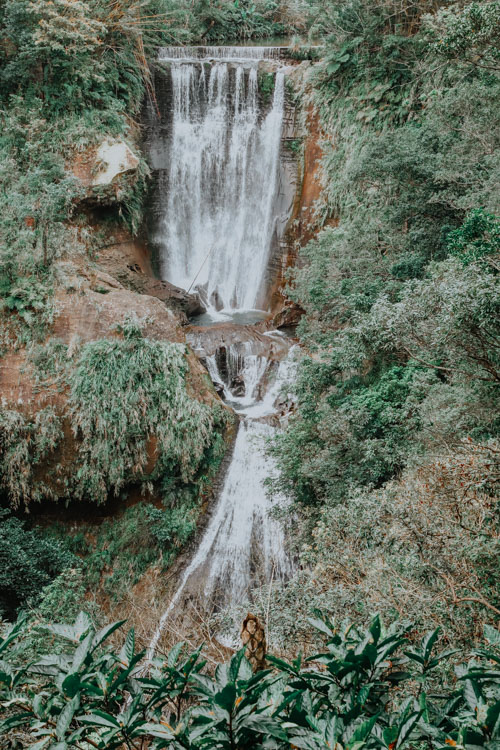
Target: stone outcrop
{"x": 302, "y": 136}
{"x": 106, "y": 170}
{"x": 207, "y": 341}
{"x": 127, "y": 259}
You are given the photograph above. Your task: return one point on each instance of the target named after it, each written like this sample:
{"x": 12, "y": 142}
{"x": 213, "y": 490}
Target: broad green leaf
{"x": 14, "y": 721}
{"x": 71, "y": 685}
{"x": 320, "y": 625}
{"x": 265, "y": 725}
{"x": 41, "y": 744}
{"x": 375, "y": 628}
{"x": 82, "y": 651}
{"x": 428, "y": 642}
{"x": 66, "y": 717}
{"x": 100, "y": 719}
{"x": 226, "y": 697}
{"x": 174, "y": 653}
{"x": 493, "y": 720}
{"x": 105, "y": 632}
{"x": 472, "y": 695}
{"x": 406, "y": 729}
{"x": 82, "y": 624}
{"x": 363, "y": 730}
{"x": 127, "y": 652}
{"x": 157, "y": 730}
{"x": 65, "y": 631}
{"x": 333, "y": 67}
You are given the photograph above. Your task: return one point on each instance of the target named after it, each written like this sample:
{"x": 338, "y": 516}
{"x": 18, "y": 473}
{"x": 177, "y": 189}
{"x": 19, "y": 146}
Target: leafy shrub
{"x": 266, "y": 86}
{"x": 24, "y": 445}
{"x": 29, "y": 560}
{"x": 129, "y": 408}
{"x": 477, "y": 238}
{"x": 367, "y": 689}
{"x": 469, "y": 35}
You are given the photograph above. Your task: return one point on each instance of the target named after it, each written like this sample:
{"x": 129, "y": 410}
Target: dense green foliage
{"x": 128, "y": 397}
{"x": 367, "y": 689}
{"x": 391, "y": 457}
{"x": 29, "y": 560}
{"x": 117, "y": 551}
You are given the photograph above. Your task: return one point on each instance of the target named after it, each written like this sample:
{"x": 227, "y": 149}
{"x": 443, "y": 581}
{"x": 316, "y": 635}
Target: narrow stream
{"x": 216, "y": 153}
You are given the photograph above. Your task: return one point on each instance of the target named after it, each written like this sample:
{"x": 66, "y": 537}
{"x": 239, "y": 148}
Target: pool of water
{"x": 238, "y": 317}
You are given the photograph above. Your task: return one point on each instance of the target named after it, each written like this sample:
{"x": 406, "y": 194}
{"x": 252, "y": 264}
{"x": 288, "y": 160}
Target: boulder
{"x": 106, "y": 171}
{"x": 127, "y": 259}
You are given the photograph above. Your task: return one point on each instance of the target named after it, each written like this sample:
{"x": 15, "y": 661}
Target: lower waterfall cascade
{"x": 242, "y": 544}
{"x": 218, "y": 162}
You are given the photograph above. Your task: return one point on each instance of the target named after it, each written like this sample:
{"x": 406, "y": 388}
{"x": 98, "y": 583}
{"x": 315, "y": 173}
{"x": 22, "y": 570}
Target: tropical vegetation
{"x": 390, "y": 457}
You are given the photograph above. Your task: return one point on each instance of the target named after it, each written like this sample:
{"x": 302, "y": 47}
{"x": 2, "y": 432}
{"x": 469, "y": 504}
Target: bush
{"x": 24, "y": 445}
{"x": 133, "y": 417}
{"x": 366, "y": 689}
{"x": 29, "y": 561}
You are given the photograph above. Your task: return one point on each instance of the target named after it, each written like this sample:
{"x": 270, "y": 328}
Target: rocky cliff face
{"x": 96, "y": 295}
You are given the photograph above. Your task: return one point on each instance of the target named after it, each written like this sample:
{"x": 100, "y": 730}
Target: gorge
{"x": 249, "y": 370}
{"x": 221, "y": 205}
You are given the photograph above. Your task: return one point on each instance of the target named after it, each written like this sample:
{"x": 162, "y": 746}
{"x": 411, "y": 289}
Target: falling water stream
{"x": 214, "y": 235}
{"x": 217, "y": 209}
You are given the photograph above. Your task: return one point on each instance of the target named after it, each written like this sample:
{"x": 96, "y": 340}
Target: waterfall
{"x": 215, "y": 149}
{"x": 223, "y": 145}
{"x": 242, "y": 537}
{"x": 228, "y": 54}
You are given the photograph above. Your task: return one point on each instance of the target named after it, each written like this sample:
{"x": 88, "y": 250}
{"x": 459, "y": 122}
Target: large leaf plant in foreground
{"x": 366, "y": 689}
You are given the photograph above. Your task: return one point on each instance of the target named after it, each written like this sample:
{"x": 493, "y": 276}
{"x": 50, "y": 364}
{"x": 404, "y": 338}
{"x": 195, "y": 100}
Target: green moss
{"x": 29, "y": 560}
{"x": 294, "y": 145}
{"x": 266, "y": 82}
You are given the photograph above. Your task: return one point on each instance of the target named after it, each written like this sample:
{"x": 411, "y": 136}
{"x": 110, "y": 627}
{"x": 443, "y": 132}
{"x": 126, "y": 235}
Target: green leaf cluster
{"x": 366, "y": 689}
{"x": 29, "y": 561}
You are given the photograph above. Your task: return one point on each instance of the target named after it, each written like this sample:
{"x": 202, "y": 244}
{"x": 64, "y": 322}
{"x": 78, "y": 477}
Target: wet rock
{"x": 237, "y": 386}
{"x": 219, "y": 389}
{"x": 287, "y": 317}
{"x": 127, "y": 259}
{"x": 218, "y": 339}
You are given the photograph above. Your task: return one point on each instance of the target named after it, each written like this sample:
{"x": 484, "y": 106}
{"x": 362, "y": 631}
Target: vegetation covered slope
{"x": 392, "y": 455}
{"x": 391, "y": 458}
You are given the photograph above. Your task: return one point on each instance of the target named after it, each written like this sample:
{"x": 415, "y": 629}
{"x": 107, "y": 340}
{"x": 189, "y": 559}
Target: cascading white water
{"x": 228, "y": 54}
{"x": 217, "y": 156}
{"x": 242, "y": 543}
{"x": 217, "y": 214}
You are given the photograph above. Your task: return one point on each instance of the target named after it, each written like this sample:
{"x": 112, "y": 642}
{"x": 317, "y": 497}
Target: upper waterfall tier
{"x": 216, "y": 151}
{"x": 223, "y": 54}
